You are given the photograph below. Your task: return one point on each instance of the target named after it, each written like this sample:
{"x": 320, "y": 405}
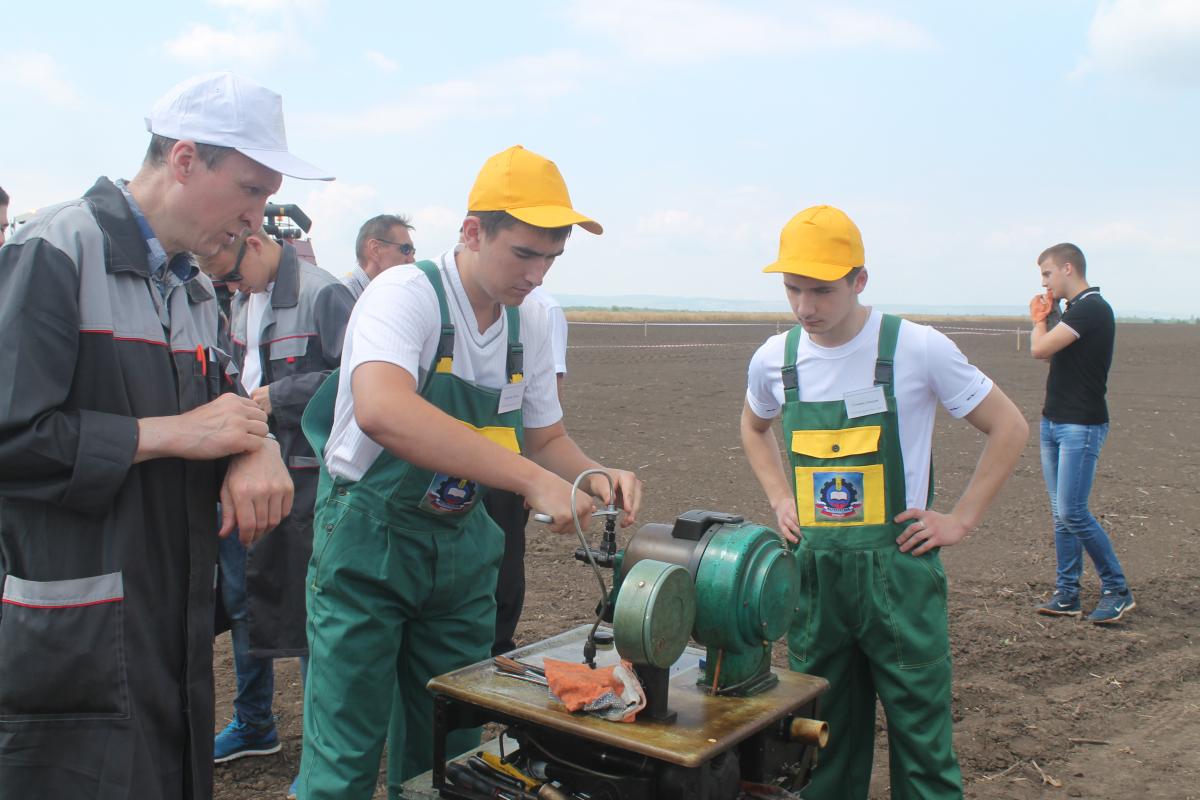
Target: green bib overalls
{"x": 871, "y": 620}
{"x": 401, "y": 587}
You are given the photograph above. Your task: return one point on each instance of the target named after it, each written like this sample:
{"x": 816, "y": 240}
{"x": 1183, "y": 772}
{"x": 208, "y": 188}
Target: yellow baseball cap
{"x": 820, "y": 242}
{"x": 530, "y": 188}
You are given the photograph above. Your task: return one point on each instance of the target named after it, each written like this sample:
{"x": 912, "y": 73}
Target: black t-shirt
{"x": 1078, "y": 378}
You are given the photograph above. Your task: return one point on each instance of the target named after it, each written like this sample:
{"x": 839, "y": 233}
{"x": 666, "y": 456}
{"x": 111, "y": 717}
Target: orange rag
{"x": 579, "y": 687}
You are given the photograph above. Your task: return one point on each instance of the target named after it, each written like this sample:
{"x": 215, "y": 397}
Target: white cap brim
{"x": 285, "y": 163}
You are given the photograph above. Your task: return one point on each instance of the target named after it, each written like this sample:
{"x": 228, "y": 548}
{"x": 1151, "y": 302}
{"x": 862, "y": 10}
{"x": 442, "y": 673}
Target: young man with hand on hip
{"x": 857, "y": 391}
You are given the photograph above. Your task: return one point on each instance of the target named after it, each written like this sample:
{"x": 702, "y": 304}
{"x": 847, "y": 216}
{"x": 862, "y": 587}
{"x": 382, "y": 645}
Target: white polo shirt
{"x": 929, "y": 369}
{"x": 558, "y": 327}
{"x": 397, "y": 321}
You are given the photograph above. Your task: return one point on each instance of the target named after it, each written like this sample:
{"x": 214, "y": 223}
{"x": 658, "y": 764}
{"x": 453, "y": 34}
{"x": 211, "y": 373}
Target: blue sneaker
{"x": 292, "y": 790}
{"x": 1112, "y": 606}
{"x": 1061, "y": 605}
{"x": 239, "y": 740}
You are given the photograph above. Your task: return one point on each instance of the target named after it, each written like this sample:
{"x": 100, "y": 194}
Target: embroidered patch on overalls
{"x": 449, "y": 495}
{"x": 839, "y": 497}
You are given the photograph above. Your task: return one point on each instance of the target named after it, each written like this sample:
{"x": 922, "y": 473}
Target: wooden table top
{"x": 705, "y": 727}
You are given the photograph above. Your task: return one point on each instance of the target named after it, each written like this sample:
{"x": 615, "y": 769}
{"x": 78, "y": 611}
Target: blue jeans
{"x": 1069, "y": 456}
{"x": 255, "y": 676}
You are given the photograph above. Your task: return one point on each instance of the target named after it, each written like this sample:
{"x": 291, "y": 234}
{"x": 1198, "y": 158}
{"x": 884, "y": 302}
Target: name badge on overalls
{"x": 511, "y": 397}
{"x": 862, "y": 402}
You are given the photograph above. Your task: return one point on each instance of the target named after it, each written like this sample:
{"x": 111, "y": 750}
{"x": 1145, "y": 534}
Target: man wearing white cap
{"x": 119, "y": 432}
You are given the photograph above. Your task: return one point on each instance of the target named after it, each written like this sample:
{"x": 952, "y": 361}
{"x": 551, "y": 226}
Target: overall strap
{"x": 791, "y": 382}
{"x": 514, "y": 365}
{"x": 885, "y": 371}
{"x": 443, "y": 357}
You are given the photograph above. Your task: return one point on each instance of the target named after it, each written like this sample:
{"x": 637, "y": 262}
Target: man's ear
{"x": 472, "y": 233}
{"x": 255, "y": 244}
{"x": 860, "y": 281}
{"x": 183, "y": 160}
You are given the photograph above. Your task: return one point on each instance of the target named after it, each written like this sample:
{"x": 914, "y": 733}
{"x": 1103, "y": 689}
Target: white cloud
{"x": 1154, "y": 39}
{"x": 337, "y": 209}
{"x": 499, "y": 89}
{"x": 271, "y": 8}
{"x": 670, "y": 222}
{"x": 701, "y": 30}
{"x": 38, "y": 74}
{"x": 381, "y": 61}
{"x": 1158, "y": 236}
{"x": 204, "y": 44}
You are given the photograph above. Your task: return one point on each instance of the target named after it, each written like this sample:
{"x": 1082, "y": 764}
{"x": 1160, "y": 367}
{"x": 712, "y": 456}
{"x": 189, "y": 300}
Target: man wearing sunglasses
{"x": 286, "y": 326}
{"x": 383, "y": 242}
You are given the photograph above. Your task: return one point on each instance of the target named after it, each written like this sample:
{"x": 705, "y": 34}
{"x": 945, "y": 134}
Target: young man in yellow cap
{"x": 447, "y": 387}
{"x": 857, "y": 391}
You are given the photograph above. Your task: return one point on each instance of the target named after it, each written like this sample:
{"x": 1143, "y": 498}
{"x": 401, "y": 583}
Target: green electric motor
{"x": 746, "y": 584}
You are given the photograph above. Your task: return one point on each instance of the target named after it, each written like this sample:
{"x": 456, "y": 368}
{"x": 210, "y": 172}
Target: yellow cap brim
{"x": 809, "y": 269}
{"x": 555, "y": 217}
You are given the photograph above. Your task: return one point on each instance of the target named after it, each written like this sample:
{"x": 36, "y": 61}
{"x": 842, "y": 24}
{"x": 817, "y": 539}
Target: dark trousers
{"x": 509, "y": 512}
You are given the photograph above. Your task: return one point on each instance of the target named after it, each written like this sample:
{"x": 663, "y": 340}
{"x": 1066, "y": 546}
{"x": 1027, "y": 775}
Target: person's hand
{"x": 262, "y": 398}
{"x": 223, "y": 427}
{"x": 551, "y": 495}
{"x": 257, "y": 493}
{"x": 629, "y": 492}
{"x": 1040, "y": 306}
{"x": 929, "y": 530}
{"x": 785, "y": 519}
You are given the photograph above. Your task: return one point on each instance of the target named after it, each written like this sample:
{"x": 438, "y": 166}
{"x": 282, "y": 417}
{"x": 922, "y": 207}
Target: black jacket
{"x": 107, "y": 567}
{"x": 300, "y": 344}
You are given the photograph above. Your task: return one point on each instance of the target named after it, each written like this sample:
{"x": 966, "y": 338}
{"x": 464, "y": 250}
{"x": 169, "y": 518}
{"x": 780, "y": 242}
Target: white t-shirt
{"x": 252, "y": 371}
{"x": 558, "y": 327}
{"x": 929, "y": 368}
{"x": 397, "y": 321}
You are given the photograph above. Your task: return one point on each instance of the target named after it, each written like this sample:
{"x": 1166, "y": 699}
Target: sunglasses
{"x": 405, "y": 248}
{"x": 235, "y": 274}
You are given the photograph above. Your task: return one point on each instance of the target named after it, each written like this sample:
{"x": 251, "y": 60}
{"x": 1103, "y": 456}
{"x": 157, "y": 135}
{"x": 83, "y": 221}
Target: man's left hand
{"x": 257, "y": 493}
{"x": 929, "y": 530}
{"x": 262, "y": 398}
{"x": 629, "y": 492}
{"x": 1040, "y": 306}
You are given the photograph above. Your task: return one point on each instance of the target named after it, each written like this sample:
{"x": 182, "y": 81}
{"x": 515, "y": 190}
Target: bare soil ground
{"x": 1043, "y": 707}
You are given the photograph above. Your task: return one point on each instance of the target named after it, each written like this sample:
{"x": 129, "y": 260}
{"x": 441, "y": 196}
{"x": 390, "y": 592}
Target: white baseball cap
{"x": 227, "y": 110}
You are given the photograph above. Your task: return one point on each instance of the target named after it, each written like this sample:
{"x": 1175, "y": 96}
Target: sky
{"x": 962, "y": 138}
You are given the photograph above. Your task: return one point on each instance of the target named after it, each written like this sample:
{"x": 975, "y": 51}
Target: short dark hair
{"x": 3, "y": 197}
{"x": 852, "y": 274}
{"x": 1065, "y": 253}
{"x": 377, "y": 227}
{"x": 492, "y": 222}
{"x": 156, "y": 153}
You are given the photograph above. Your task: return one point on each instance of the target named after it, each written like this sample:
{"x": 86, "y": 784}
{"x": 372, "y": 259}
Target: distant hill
{"x": 656, "y": 302}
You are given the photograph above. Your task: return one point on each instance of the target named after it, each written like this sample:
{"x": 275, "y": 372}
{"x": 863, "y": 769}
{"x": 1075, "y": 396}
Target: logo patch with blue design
{"x": 449, "y": 495}
{"x": 838, "y": 496}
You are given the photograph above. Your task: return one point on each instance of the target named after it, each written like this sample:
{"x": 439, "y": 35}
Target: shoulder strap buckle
{"x": 885, "y": 372}
{"x": 515, "y": 363}
{"x": 789, "y": 377}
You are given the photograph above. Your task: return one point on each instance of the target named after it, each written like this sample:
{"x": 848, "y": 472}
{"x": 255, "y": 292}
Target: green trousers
{"x": 388, "y": 609}
{"x": 873, "y": 623}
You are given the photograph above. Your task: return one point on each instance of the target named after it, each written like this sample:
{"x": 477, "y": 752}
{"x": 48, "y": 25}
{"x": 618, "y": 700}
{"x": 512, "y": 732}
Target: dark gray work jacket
{"x": 300, "y": 344}
{"x": 108, "y": 567}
